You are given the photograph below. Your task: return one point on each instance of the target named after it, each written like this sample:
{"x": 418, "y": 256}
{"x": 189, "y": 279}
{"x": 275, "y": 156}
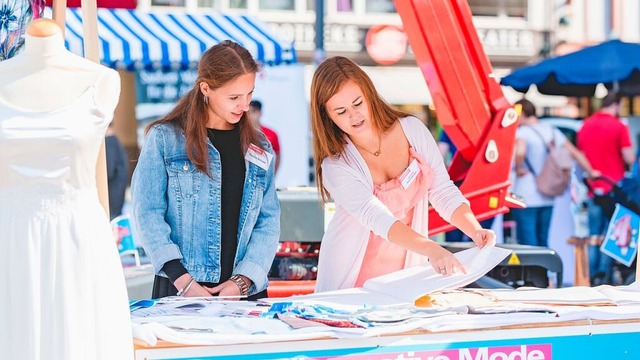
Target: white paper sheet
{"x": 410, "y": 284}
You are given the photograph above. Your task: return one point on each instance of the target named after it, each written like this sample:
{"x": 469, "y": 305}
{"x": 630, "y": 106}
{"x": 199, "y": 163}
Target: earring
{"x": 206, "y": 99}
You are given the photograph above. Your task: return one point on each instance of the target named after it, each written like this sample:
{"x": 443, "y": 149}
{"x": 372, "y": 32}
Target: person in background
{"x": 447, "y": 147}
{"x": 209, "y": 221}
{"x": 531, "y": 152}
{"x": 117, "y": 172}
{"x": 255, "y": 114}
{"x": 605, "y": 141}
{"x": 381, "y": 167}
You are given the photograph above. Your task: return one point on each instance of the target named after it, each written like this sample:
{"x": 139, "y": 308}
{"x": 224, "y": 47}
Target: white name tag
{"x": 258, "y": 156}
{"x": 409, "y": 175}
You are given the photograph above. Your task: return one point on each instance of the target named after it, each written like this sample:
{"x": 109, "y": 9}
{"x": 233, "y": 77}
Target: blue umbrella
{"x": 613, "y": 63}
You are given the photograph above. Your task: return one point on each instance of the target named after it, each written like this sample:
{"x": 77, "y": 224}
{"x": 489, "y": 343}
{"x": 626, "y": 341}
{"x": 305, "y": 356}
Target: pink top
{"x": 383, "y": 256}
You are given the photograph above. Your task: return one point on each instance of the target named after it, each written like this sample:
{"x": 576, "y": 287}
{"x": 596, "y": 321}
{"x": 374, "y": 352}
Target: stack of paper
{"x": 579, "y": 296}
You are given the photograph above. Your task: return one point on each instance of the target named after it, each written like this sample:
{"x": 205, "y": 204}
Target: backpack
{"x": 554, "y": 178}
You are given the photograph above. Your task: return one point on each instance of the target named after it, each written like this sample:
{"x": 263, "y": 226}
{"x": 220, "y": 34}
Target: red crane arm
{"x": 469, "y": 102}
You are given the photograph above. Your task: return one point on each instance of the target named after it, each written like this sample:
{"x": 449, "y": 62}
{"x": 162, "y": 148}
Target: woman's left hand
{"x": 484, "y": 237}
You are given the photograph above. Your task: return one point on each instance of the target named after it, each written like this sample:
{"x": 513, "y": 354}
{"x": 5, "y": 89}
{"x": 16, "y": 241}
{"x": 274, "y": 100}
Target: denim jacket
{"x": 177, "y": 210}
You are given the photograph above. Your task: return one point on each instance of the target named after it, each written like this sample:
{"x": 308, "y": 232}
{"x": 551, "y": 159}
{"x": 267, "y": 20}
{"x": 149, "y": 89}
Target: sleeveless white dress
{"x": 62, "y": 288}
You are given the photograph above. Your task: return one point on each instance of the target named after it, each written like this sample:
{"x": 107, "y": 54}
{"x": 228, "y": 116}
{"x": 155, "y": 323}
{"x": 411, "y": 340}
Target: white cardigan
{"x": 358, "y": 211}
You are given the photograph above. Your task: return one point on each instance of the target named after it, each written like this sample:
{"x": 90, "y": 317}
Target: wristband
{"x": 241, "y": 283}
{"x": 184, "y": 290}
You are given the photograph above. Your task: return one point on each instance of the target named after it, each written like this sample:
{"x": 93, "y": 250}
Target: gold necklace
{"x": 377, "y": 152}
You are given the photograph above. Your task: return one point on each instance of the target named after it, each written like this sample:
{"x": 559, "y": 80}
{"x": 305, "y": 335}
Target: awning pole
{"x": 90, "y": 36}
{"x": 90, "y": 30}
{"x": 60, "y": 13}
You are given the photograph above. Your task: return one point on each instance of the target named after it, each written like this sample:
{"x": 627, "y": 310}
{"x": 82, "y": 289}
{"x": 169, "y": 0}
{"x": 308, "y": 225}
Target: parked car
{"x": 568, "y": 126}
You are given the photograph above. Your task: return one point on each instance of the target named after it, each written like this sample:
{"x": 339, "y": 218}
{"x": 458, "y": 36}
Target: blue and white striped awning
{"x": 131, "y": 39}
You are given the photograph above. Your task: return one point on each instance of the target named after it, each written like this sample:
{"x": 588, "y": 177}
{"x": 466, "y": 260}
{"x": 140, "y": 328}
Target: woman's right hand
{"x": 194, "y": 290}
{"x": 197, "y": 290}
{"x": 443, "y": 261}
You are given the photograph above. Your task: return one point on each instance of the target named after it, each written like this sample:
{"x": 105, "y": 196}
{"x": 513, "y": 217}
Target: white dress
{"x": 62, "y": 288}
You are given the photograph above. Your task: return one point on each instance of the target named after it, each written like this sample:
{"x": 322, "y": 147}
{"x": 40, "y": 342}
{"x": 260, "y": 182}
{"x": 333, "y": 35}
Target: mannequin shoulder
{"x": 70, "y": 75}
{"x": 107, "y": 86}
{"x": 86, "y": 73}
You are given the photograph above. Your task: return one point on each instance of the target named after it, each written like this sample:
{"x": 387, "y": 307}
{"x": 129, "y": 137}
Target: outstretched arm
{"x": 628, "y": 155}
{"x": 464, "y": 219}
{"x": 582, "y": 160}
{"x": 521, "y": 153}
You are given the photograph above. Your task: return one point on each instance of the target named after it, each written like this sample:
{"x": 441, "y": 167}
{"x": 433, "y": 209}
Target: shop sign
{"x": 337, "y": 37}
{"x": 350, "y": 38}
{"x": 386, "y": 44}
{"x": 163, "y": 86}
{"x": 516, "y": 42}
{"x": 515, "y": 352}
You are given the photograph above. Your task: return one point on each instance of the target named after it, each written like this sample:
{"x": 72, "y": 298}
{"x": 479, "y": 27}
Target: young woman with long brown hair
{"x": 382, "y": 168}
{"x": 204, "y": 191}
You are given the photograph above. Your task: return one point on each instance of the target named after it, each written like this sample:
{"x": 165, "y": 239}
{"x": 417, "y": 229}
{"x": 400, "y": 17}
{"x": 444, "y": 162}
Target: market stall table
{"x": 472, "y": 324}
{"x": 583, "y": 339}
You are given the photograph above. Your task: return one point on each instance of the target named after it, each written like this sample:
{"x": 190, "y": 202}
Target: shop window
{"x": 168, "y": 3}
{"x": 311, "y": 5}
{"x": 625, "y": 107}
{"x": 220, "y": 4}
{"x": 380, "y": 6}
{"x": 510, "y": 8}
{"x": 635, "y": 106}
{"x": 344, "y": 5}
{"x": 277, "y": 4}
{"x": 237, "y": 4}
{"x": 211, "y": 4}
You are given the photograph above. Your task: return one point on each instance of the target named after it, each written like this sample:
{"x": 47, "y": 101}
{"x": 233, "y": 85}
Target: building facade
{"x": 513, "y": 33}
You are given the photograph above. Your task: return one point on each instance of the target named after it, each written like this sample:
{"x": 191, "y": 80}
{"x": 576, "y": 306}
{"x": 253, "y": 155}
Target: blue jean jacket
{"x": 177, "y": 211}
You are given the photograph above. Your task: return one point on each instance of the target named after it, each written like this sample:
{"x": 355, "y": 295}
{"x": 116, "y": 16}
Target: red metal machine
{"x": 468, "y": 101}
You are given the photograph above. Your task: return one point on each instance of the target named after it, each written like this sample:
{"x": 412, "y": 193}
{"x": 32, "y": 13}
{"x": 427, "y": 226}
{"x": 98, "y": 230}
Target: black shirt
{"x": 227, "y": 142}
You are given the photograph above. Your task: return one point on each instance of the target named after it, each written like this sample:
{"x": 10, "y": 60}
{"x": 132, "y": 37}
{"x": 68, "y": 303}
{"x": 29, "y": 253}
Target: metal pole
{"x": 318, "y": 53}
{"x": 89, "y": 10}
{"x": 59, "y": 13}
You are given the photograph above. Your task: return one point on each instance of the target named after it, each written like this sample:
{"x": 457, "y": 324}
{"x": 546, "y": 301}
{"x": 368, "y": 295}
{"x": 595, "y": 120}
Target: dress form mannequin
{"x": 46, "y": 76}
{"x": 57, "y": 249}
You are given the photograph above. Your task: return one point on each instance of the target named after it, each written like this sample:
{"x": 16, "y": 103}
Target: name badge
{"x": 258, "y": 157}
{"x": 409, "y": 175}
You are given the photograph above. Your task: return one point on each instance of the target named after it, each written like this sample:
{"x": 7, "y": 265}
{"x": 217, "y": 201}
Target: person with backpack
{"x": 542, "y": 173}
{"x": 606, "y": 142}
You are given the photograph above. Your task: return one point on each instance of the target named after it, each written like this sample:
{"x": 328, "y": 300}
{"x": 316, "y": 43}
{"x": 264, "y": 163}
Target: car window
{"x": 569, "y": 133}
{"x": 568, "y": 126}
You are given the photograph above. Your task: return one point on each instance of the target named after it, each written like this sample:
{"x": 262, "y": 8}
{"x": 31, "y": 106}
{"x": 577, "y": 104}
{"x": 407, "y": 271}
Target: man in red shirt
{"x": 255, "y": 113}
{"x": 604, "y": 139}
